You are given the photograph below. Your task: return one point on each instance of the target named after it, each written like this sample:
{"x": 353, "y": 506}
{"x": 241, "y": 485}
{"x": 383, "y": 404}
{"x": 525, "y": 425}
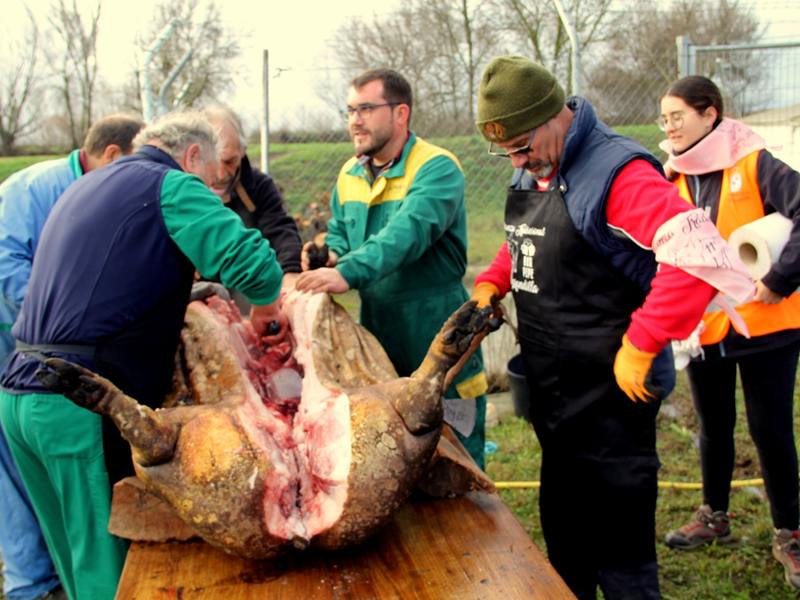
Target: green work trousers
{"x": 405, "y": 327}
{"x": 58, "y": 448}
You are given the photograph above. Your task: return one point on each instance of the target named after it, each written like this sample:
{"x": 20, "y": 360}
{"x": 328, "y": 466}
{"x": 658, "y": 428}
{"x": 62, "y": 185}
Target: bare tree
{"x": 438, "y": 45}
{"x": 535, "y": 29}
{"x": 641, "y": 60}
{"x": 362, "y": 44}
{"x": 18, "y": 78}
{"x": 75, "y": 60}
{"x": 466, "y": 39}
{"x": 199, "y": 38}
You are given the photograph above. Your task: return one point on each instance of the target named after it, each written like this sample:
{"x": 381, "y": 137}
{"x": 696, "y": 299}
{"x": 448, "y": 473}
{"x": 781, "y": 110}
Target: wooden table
{"x": 464, "y": 548}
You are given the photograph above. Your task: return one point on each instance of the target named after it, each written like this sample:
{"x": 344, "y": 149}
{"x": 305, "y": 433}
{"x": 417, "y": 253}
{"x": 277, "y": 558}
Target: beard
{"x": 378, "y": 140}
{"x": 224, "y": 187}
{"x": 539, "y": 169}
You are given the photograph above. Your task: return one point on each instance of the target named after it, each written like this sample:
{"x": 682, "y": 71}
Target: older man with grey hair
{"x": 108, "y": 290}
{"x": 252, "y": 194}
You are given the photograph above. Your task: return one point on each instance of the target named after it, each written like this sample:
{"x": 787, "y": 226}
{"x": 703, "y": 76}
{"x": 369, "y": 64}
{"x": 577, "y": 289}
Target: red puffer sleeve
{"x": 639, "y": 202}
{"x": 499, "y": 272}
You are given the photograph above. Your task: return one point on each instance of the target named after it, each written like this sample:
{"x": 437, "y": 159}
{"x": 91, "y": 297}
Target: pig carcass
{"x": 265, "y": 450}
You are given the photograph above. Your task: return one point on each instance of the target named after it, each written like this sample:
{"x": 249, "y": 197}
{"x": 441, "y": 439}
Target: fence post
{"x": 685, "y": 56}
{"x": 265, "y": 114}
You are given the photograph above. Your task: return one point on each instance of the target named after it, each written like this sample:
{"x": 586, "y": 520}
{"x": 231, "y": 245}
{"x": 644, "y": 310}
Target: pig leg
{"x": 152, "y": 438}
{"x": 456, "y": 341}
{"x": 418, "y": 399}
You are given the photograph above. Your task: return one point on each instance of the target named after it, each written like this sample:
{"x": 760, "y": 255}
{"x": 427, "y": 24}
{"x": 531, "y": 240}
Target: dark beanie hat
{"x": 516, "y": 95}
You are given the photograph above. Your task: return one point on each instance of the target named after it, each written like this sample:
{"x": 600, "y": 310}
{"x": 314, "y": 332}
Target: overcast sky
{"x": 296, "y": 33}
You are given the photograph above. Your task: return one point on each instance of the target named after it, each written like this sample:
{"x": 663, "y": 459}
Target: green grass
{"x": 648, "y": 136}
{"x": 742, "y": 570}
{"x": 12, "y": 164}
{"x": 306, "y": 173}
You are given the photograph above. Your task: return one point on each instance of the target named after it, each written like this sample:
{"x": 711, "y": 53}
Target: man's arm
{"x": 25, "y": 203}
{"x": 499, "y": 272}
{"x": 216, "y": 241}
{"x": 432, "y": 204}
{"x": 639, "y": 202}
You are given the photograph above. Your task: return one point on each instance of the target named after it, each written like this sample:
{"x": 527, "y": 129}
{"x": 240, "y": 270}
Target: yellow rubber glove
{"x": 485, "y": 294}
{"x": 631, "y": 367}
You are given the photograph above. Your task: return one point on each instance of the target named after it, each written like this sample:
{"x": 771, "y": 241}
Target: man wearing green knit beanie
{"x": 516, "y": 96}
{"x": 595, "y": 319}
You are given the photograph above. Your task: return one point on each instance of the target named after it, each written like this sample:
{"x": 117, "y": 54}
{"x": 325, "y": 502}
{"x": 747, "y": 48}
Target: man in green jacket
{"x": 108, "y": 290}
{"x": 398, "y": 234}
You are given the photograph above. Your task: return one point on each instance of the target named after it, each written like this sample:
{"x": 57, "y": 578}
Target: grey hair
{"x": 220, "y": 112}
{"x": 176, "y": 131}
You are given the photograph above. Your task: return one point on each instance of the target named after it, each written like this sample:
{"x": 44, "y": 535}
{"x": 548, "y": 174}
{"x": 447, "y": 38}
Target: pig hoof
{"x": 72, "y": 381}
{"x": 300, "y": 543}
{"x": 318, "y": 256}
{"x": 464, "y": 325}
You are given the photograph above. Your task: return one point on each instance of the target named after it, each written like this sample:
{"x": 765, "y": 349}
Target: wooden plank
{"x": 467, "y": 548}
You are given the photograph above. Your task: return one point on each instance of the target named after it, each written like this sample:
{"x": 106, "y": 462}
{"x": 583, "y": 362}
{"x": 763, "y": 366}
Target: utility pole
{"x": 572, "y": 33}
{"x": 265, "y": 113}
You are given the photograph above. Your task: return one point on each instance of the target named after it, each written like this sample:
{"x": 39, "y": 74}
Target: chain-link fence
{"x": 307, "y": 149}
{"x": 761, "y": 84}
{"x": 623, "y": 77}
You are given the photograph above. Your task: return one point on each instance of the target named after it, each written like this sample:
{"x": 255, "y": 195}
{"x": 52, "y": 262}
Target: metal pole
{"x": 265, "y": 114}
{"x": 770, "y": 45}
{"x": 572, "y": 33}
{"x": 150, "y": 110}
{"x": 682, "y": 44}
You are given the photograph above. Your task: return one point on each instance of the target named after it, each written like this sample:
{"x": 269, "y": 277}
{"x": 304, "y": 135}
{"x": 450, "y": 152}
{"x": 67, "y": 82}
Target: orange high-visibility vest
{"x": 740, "y": 203}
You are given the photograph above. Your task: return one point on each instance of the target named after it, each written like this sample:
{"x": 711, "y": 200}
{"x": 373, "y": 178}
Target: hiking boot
{"x": 707, "y": 526}
{"x": 786, "y": 550}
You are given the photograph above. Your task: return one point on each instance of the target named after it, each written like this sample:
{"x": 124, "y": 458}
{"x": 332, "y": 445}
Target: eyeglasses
{"x": 364, "y": 110}
{"x": 675, "y": 118}
{"x": 516, "y": 151}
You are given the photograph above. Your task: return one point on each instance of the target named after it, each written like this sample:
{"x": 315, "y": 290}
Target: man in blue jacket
{"x": 108, "y": 290}
{"x": 26, "y": 199}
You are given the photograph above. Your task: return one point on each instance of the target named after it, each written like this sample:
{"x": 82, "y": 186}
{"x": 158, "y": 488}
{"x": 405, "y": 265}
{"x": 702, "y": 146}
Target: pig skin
{"x": 254, "y": 483}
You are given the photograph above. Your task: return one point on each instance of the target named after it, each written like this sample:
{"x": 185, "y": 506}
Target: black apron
{"x": 599, "y": 464}
{"x": 572, "y": 306}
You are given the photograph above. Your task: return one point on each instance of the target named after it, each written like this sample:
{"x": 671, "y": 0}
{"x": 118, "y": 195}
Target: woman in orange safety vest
{"x": 721, "y": 165}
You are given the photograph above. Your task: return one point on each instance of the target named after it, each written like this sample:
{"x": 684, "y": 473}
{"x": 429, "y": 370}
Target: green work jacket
{"x": 402, "y": 242}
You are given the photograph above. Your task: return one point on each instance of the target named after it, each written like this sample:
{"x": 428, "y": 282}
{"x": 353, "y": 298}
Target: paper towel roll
{"x": 759, "y": 243}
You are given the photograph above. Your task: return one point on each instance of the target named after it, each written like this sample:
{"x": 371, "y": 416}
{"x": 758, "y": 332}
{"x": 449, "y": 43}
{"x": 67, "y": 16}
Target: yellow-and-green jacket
{"x": 402, "y": 242}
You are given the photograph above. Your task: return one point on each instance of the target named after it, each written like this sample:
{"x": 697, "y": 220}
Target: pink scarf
{"x": 728, "y": 143}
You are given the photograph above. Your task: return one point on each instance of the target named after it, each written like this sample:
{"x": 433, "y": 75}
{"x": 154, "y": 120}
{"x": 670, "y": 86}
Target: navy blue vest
{"x": 592, "y": 157}
{"x": 107, "y": 274}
